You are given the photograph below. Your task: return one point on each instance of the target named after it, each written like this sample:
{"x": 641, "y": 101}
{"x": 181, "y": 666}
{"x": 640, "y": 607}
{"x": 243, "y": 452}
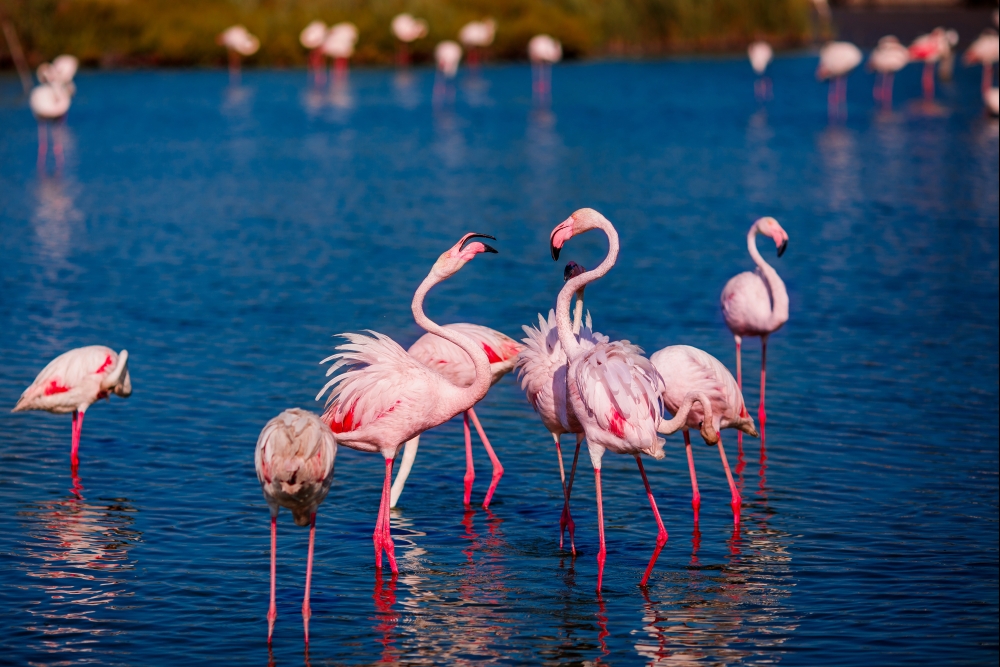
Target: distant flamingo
{"x": 447, "y": 55}
{"x": 887, "y": 58}
{"x": 386, "y": 397}
{"x": 760, "y": 54}
{"x": 930, "y": 48}
{"x": 836, "y": 60}
{"x": 50, "y": 102}
{"x": 239, "y": 43}
{"x": 756, "y": 304}
{"x": 407, "y": 30}
{"x": 74, "y": 381}
{"x": 294, "y": 461}
{"x": 689, "y": 373}
{"x": 312, "y": 38}
{"x": 476, "y": 36}
{"x": 613, "y": 390}
{"x": 339, "y": 45}
{"x": 986, "y": 51}
{"x": 450, "y": 361}
{"x": 543, "y": 52}
{"x": 541, "y": 367}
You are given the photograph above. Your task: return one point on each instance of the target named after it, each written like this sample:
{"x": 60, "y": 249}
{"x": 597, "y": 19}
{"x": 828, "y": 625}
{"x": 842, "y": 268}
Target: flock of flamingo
{"x": 383, "y": 397}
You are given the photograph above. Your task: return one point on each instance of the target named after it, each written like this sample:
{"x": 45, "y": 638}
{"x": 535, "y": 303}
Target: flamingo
{"x": 407, "y": 30}
{"x": 450, "y": 361}
{"x": 760, "y": 54}
{"x": 756, "y": 304}
{"x": 688, "y": 374}
{"x": 930, "y": 49}
{"x": 239, "y": 43}
{"x": 447, "y": 55}
{"x": 476, "y": 36}
{"x": 613, "y": 390}
{"x": 836, "y": 60}
{"x": 543, "y": 52}
{"x": 339, "y": 45}
{"x": 985, "y": 50}
{"x": 294, "y": 462}
{"x": 50, "y": 102}
{"x": 887, "y": 58}
{"x": 541, "y": 368}
{"x": 312, "y": 38}
{"x": 74, "y": 381}
{"x": 386, "y": 397}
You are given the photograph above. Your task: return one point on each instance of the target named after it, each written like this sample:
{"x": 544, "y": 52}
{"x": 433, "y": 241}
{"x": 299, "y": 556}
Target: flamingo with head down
{"x": 760, "y": 54}
{"x": 74, "y": 381}
{"x": 239, "y": 43}
{"x": 450, "y": 361}
{"x": 385, "y": 397}
{"x": 614, "y": 391}
{"x": 887, "y": 58}
{"x": 407, "y": 30}
{"x": 543, "y": 52}
{"x": 931, "y": 48}
{"x": 836, "y": 60}
{"x": 312, "y": 38}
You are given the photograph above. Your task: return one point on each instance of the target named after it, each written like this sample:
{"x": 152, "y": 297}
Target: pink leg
{"x": 569, "y": 492}
{"x": 739, "y": 383}
{"x": 497, "y": 468}
{"x": 887, "y": 92}
{"x": 306, "y": 609}
{"x": 74, "y": 456}
{"x": 470, "y": 468}
{"x": 43, "y": 145}
{"x": 57, "y": 145}
{"x": 737, "y": 500}
{"x": 661, "y": 536}
{"x": 562, "y": 476}
{"x": 272, "y": 611}
{"x": 831, "y": 99}
{"x": 761, "y": 414}
{"x": 382, "y": 536}
{"x": 928, "y": 80}
{"x": 602, "y": 552}
{"x": 695, "y": 496}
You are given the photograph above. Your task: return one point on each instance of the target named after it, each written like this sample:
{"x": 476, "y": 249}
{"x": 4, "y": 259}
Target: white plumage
{"x": 408, "y": 29}
{"x": 544, "y": 49}
{"x": 760, "y": 54}
{"x": 889, "y": 56}
{"x": 75, "y": 380}
{"x": 447, "y": 55}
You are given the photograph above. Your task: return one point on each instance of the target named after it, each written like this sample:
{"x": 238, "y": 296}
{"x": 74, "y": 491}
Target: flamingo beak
{"x": 782, "y": 247}
{"x": 487, "y": 248}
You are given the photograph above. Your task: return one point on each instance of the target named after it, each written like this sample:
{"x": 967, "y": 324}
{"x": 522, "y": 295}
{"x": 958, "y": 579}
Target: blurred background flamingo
{"x": 543, "y": 52}
{"x": 930, "y": 49}
{"x": 887, "y": 58}
{"x": 239, "y": 44}
{"x": 836, "y": 60}
{"x": 312, "y": 38}
{"x": 50, "y": 102}
{"x": 447, "y": 55}
{"x": 760, "y": 54}
{"x": 407, "y": 30}
{"x": 985, "y": 51}
{"x": 74, "y": 381}
{"x": 476, "y": 36}
{"x": 339, "y": 45}
{"x": 294, "y": 461}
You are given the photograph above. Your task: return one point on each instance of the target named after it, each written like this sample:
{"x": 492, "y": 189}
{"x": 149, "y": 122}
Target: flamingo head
{"x": 456, "y": 256}
{"x": 572, "y": 270}
{"x": 769, "y": 227}
{"x": 581, "y": 221}
{"x": 118, "y": 381}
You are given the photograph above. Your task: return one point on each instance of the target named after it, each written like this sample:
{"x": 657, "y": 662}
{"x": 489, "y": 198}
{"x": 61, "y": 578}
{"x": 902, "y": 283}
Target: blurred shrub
{"x": 182, "y": 32}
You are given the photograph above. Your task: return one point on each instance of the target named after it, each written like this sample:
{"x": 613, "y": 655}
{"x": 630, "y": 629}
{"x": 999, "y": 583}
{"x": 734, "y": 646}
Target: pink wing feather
{"x": 685, "y": 369}
{"x": 452, "y": 362}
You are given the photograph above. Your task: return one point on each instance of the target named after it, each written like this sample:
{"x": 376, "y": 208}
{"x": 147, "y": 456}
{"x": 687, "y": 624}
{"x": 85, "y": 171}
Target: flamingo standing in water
{"x": 312, "y": 38}
{"x": 985, "y": 50}
{"x": 692, "y": 374}
{"x": 756, "y": 304}
{"x": 543, "y": 52}
{"x": 450, "y": 361}
{"x": 887, "y": 58}
{"x": 74, "y": 381}
{"x": 836, "y": 60}
{"x": 447, "y": 55}
{"x": 339, "y": 45}
{"x": 294, "y": 462}
{"x": 386, "y": 397}
{"x": 930, "y": 48}
{"x": 541, "y": 367}
{"x": 50, "y": 102}
{"x": 760, "y": 54}
{"x": 612, "y": 389}
{"x": 407, "y": 30}
{"x": 476, "y": 36}
{"x": 239, "y": 43}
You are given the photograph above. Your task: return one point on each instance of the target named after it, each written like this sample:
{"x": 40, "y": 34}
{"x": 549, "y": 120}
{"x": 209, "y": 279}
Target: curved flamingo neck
{"x": 474, "y": 392}
{"x": 578, "y": 313}
{"x": 569, "y": 342}
{"x": 779, "y": 296}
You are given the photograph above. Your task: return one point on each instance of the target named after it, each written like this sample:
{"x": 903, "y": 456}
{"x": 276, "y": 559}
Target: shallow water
{"x": 223, "y": 235}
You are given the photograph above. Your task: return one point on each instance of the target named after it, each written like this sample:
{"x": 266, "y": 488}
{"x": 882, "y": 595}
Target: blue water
{"x": 223, "y": 235}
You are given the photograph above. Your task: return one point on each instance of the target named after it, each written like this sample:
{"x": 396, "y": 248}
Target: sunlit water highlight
{"x": 222, "y": 235}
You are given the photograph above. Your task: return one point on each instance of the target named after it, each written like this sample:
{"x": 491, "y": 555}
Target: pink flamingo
{"x": 339, "y": 45}
{"x": 450, "y": 361}
{"x": 760, "y": 54}
{"x": 543, "y": 52}
{"x": 74, "y": 381}
{"x": 930, "y": 48}
{"x": 836, "y": 60}
{"x": 312, "y": 37}
{"x": 689, "y": 373}
{"x": 294, "y": 461}
{"x": 887, "y": 58}
{"x": 239, "y": 43}
{"x": 386, "y": 397}
{"x": 613, "y": 390}
{"x": 447, "y": 56}
{"x": 985, "y": 50}
{"x": 756, "y": 304}
{"x": 407, "y": 30}
{"x": 476, "y": 36}
{"x": 542, "y": 371}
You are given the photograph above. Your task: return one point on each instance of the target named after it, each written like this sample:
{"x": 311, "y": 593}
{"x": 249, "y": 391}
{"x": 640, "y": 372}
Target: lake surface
{"x": 224, "y": 234}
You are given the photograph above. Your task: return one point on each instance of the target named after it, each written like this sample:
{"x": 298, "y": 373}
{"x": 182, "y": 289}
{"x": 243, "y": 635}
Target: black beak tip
{"x": 489, "y": 248}
{"x": 782, "y": 247}
{"x": 555, "y": 252}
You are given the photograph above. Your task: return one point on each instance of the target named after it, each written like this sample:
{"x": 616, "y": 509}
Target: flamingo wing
{"x": 687, "y": 369}
{"x": 453, "y": 363}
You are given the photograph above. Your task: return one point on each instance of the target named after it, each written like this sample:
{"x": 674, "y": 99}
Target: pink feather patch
{"x": 491, "y": 355}
{"x": 617, "y": 423}
{"x": 55, "y": 388}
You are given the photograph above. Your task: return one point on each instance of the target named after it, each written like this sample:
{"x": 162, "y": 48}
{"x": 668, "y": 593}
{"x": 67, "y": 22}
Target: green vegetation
{"x": 182, "y": 32}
